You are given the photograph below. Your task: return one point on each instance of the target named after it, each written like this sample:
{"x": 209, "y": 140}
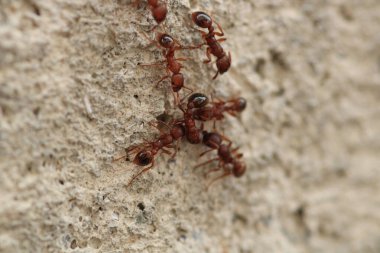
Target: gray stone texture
{"x": 72, "y": 98}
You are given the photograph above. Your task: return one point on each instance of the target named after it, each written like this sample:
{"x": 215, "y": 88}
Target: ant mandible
{"x": 159, "y": 11}
{"x": 173, "y": 65}
{"x": 223, "y": 61}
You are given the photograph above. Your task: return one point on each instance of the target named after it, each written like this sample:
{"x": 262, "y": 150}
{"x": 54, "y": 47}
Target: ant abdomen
{"x": 212, "y": 140}
{"x": 223, "y": 64}
{"x": 177, "y": 82}
{"x": 159, "y": 13}
{"x": 239, "y": 168}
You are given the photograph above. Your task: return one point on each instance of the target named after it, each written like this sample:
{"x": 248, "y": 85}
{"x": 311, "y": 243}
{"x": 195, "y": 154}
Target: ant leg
{"x": 217, "y": 73}
{"x": 132, "y": 149}
{"x": 138, "y": 174}
{"x": 176, "y": 98}
{"x": 155, "y": 125}
{"x": 186, "y": 95}
{"x": 204, "y": 163}
{"x": 234, "y": 150}
{"x": 221, "y": 39}
{"x": 165, "y": 124}
{"x": 175, "y": 149}
{"x": 189, "y": 89}
{"x": 154, "y": 27}
{"x": 191, "y": 92}
{"x": 211, "y": 171}
{"x": 183, "y": 59}
{"x": 232, "y": 113}
{"x": 214, "y": 124}
{"x": 203, "y": 33}
{"x": 159, "y": 63}
{"x": 150, "y": 40}
{"x": 208, "y": 54}
{"x": 162, "y": 79}
{"x": 165, "y": 151}
{"x": 225, "y": 174}
{"x": 226, "y": 139}
{"x": 205, "y": 152}
{"x": 119, "y": 158}
{"x": 221, "y": 33}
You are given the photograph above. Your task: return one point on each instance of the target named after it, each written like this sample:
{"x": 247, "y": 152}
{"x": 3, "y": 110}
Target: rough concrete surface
{"x": 72, "y": 98}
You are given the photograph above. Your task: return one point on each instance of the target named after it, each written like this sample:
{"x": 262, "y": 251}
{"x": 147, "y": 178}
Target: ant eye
{"x": 202, "y": 19}
{"x": 198, "y": 100}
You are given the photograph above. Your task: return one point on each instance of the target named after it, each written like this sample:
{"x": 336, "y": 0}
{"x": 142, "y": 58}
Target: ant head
{"x": 143, "y": 158}
{"x": 197, "y": 100}
{"x": 241, "y": 103}
{"x": 201, "y": 19}
{"x": 239, "y": 168}
{"x": 165, "y": 40}
{"x": 213, "y": 140}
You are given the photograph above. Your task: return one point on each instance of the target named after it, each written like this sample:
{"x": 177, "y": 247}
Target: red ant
{"x": 159, "y": 11}
{"x": 216, "y": 110}
{"x": 193, "y": 134}
{"x": 227, "y": 161}
{"x": 172, "y": 64}
{"x": 146, "y": 152}
{"x": 223, "y": 61}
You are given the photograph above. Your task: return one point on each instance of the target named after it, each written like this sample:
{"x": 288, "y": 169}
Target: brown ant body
{"x": 229, "y": 160}
{"x": 186, "y": 127}
{"x": 223, "y": 61}
{"x": 146, "y": 152}
{"x": 217, "y": 109}
{"x": 193, "y": 134}
{"x": 173, "y": 66}
{"x": 158, "y": 9}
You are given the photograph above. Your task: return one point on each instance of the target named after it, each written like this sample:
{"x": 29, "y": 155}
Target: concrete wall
{"x": 72, "y": 98}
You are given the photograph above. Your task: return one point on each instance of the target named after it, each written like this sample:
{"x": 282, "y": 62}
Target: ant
{"x": 159, "y": 11}
{"x": 216, "y": 110}
{"x": 223, "y": 61}
{"x": 173, "y": 65}
{"x": 146, "y": 152}
{"x": 228, "y": 159}
{"x": 193, "y": 134}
